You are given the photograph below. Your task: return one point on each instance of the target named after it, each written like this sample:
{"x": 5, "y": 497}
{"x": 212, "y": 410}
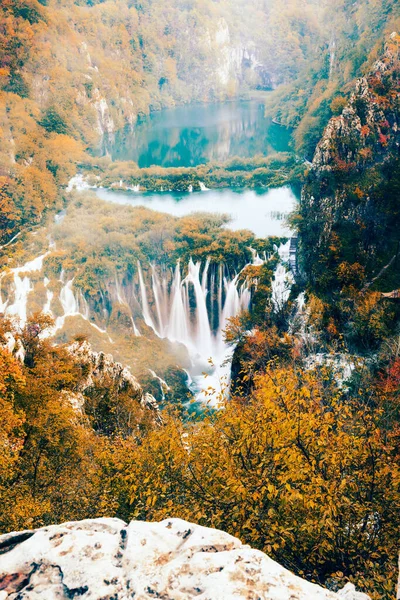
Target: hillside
{"x": 349, "y": 216}
{"x": 72, "y": 71}
{"x": 353, "y": 38}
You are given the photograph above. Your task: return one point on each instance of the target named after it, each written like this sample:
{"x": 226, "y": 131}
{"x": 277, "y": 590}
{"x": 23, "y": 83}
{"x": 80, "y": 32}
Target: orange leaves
{"x": 11, "y": 375}
{"x": 390, "y": 379}
{"x": 296, "y": 459}
{"x": 11, "y": 434}
{"x": 9, "y": 214}
{"x": 365, "y": 130}
{"x": 383, "y": 139}
{"x": 351, "y": 274}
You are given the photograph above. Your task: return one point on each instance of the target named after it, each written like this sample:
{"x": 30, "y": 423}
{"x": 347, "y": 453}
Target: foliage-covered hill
{"x": 300, "y": 463}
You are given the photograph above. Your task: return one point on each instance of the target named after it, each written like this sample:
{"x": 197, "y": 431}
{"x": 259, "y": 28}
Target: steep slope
{"x": 349, "y": 217}
{"x": 72, "y": 71}
{"x": 351, "y": 40}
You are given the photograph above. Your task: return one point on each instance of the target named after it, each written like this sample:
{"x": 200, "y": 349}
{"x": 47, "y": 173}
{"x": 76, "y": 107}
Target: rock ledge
{"x": 105, "y": 559}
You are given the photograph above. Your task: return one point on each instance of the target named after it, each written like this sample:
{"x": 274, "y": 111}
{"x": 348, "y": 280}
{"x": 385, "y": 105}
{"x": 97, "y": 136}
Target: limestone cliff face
{"x": 237, "y": 59}
{"x": 349, "y": 209}
{"x": 105, "y": 559}
{"x": 369, "y": 127}
{"x": 100, "y": 368}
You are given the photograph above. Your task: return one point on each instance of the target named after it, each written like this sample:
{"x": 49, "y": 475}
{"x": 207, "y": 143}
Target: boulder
{"x": 105, "y": 559}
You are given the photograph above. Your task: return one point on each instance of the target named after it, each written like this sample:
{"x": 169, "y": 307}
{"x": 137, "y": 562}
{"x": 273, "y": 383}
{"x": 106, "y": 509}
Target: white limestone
{"x": 105, "y": 559}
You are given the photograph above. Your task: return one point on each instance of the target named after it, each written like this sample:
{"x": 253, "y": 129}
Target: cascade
{"x": 123, "y": 301}
{"x": 68, "y": 300}
{"x": 194, "y": 310}
{"x": 178, "y": 330}
{"x": 203, "y": 329}
{"x": 22, "y": 288}
{"x": 190, "y": 305}
{"x": 159, "y": 300}
{"x": 145, "y": 304}
{"x": 283, "y": 279}
{"x": 47, "y": 306}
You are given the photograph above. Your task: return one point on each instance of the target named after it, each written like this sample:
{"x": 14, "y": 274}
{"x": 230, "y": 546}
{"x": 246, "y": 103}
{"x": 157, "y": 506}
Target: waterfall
{"x": 203, "y": 329}
{"x": 194, "y": 310}
{"x": 123, "y": 301}
{"x": 257, "y": 260}
{"x": 68, "y": 300}
{"x": 283, "y": 279}
{"x": 178, "y": 329}
{"x": 145, "y": 304}
{"x": 159, "y": 300}
{"x": 47, "y": 306}
{"x": 22, "y": 288}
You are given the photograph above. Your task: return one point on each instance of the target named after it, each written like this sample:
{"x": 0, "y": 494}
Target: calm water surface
{"x": 192, "y": 135}
{"x": 263, "y": 212}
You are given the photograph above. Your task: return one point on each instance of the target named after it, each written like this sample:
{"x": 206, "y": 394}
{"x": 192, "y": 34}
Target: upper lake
{"x": 191, "y": 135}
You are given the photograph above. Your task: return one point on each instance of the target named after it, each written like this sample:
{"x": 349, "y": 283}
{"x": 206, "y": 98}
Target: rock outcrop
{"x": 105, "y": 559}
{"x": 101, "y": 368}
{"x": 348, "y": 204}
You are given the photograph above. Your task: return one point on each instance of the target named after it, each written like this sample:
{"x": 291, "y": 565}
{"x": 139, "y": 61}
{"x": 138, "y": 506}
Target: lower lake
{"x": 262, "y": 212}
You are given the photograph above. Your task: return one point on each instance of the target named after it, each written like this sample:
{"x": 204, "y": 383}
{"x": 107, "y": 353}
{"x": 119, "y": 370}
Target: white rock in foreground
{"x": 105, "y": 559}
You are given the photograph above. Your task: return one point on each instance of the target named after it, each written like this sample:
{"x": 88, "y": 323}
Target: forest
{"x": 113, "y": 316}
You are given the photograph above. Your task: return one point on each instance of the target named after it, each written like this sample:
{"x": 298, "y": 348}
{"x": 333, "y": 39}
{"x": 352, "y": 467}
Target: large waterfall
{"x": 190, "y": 305}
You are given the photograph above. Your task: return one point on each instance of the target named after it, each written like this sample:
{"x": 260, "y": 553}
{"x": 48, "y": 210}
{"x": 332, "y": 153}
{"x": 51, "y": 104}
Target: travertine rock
{"x": 105, "y": 559}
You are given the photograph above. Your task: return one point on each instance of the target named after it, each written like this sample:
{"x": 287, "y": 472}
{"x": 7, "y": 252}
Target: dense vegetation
{"x": 324, "y": 505}
{"x": 272, "y": 171}
{"x": 70, "y": 71}
{"x": 96, "y": 241}
{"x": 349, "y": 219}
{"x": 350, "y": 38}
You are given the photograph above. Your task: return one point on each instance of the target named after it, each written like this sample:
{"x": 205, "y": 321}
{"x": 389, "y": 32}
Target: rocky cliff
{"x": 350, "y": 214}
{"x": 101, "y": 369}
{"x": 173, "y": 560}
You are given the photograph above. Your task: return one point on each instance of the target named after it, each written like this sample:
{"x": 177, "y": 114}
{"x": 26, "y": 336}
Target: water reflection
{"x": 262, "y": 212}
{"x": 192, "y": 135}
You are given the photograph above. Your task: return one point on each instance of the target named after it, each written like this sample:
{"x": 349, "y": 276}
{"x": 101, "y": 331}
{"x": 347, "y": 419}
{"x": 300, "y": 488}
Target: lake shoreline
{"x": 237, "y": 173}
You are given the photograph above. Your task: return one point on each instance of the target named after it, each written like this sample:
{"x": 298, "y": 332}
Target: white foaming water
{"x": 194, "y": 311}
{"x": 283, "y": 279}
{"x": 122, "y": 300}
{"x": 68, "y": 300}
{"x": 145, "y": 304}
{"x": 78, "y": 183}
{"x": 22, "y": 288}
